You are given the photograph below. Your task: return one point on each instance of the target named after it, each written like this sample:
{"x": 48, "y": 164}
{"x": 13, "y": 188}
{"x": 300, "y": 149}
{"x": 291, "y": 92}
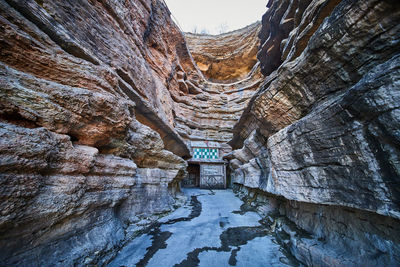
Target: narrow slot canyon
{"x": 125, "y": 141}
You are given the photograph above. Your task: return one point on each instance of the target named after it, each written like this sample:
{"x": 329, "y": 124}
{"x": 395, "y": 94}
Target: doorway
{"x": 193, "y": 177}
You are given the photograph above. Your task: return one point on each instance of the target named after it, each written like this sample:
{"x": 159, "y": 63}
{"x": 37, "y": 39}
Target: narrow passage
{"x": 209, "y": 230}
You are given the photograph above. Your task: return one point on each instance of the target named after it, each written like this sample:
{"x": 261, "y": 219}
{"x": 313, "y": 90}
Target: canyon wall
{"x": 228, "y": 57}
{"x": 87, "y": 138}
{"x": 100, "y": 101}
{"x": 319, "y": 142}
{"x": 206, "y": 111}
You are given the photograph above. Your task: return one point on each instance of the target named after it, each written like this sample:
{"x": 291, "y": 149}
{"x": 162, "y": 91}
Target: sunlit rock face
{"x": 228, "y": 57}
{"x": 322, "y": 131}
{"x": 211, "y": 102}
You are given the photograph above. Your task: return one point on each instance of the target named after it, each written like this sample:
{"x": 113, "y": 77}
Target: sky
{"x": 215, "y": 16}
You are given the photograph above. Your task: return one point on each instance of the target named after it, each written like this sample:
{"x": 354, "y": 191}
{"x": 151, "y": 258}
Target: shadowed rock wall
{"x": 86, "y": 134}
{"x": 321, "y": 133}
{"x": 100, "y": 100}
{"x": 99, "y": 103}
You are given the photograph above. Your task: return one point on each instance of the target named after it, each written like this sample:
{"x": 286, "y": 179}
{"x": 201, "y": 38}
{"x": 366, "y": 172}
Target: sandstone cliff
{"x": 227, "y": 57}
{"x": 319, "y": 140}
{"x": 87, "y": 139}
{"x": 99, "y": 104}
{"x": 101, "y": 100}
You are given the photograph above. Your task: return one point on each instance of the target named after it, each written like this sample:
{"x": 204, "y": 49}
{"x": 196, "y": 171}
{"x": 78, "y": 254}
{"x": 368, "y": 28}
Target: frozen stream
{"x": 205, "y": 232}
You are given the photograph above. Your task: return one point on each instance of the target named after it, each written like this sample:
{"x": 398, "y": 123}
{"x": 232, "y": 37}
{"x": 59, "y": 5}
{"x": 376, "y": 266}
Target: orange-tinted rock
{"x": 76, "y": 164}
{"x": 99, "y": 103}
{"x": 227, "y": 57}
{"x": 101, "y": 100}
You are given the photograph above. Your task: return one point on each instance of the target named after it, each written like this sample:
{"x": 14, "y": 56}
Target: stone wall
{"x": 206, "y": 111}
{"x": 321, "y": 133}
{"x": 227, "y": 57}
{"x": 87, "y": 141}
{"x": 326, "y": 235}
{"x": 100, "y": 101}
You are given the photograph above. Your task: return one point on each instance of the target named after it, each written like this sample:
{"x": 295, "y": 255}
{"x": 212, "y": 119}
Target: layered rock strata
{"x": 87, "y": 140}
{"x": 227, "y": 57}
{"x": 319, "y": 141}
{"x": 210, "y": 114}
{"x": 100, "y": 102}
{"x": 206, "y": 111}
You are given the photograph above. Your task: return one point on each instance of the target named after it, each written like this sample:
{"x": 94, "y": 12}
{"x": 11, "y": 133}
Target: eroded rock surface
{"x": 320, "y": 136}
{"x": 99, "y": 104}
{"x": 227, "y": 57}
{"x": 101, "y": 100}
{"x": 207, "y": 111}
{"x": 87, "y": 139}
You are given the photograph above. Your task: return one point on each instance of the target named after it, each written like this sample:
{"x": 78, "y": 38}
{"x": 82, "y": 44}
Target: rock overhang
{"x": 228, "y": 57}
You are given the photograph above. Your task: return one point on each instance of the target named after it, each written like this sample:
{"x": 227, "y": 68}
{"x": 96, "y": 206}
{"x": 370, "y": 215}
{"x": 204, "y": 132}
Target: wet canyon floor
{"x": 210, "y": 230}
